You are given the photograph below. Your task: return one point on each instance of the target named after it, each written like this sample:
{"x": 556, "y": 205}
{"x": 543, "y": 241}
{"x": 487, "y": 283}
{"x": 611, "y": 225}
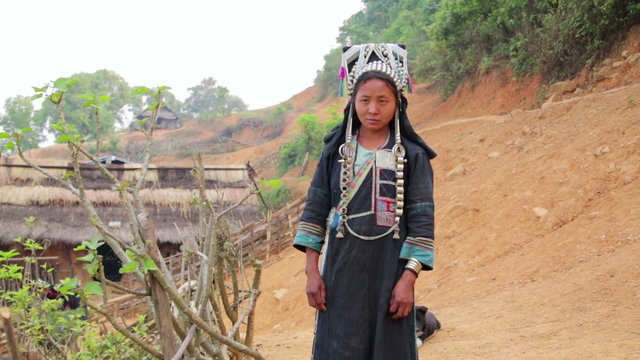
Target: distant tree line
{"x": 451, "y": 39}
{"x": 81, "y": 108}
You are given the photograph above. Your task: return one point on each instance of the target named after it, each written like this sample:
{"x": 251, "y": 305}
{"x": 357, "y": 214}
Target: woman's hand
{"x": 402, "y": 295}
{"x": 316, "y": 291}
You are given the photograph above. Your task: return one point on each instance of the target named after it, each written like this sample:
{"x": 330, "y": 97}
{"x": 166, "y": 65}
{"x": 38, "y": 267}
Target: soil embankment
{"x": 538, "y": 223}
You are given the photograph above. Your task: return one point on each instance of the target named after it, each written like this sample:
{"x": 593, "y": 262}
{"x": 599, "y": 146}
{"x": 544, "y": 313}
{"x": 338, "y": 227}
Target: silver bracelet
{"x": 414, "y": 265}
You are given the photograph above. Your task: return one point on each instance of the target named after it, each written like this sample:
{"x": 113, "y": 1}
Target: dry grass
{"x": 29, "y": 174}
{"x": 226, "y": 176}
{"x": 160, "y": 198}
{"x": 150, "y": 177}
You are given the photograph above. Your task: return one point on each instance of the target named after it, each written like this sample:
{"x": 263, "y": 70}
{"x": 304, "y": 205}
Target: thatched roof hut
{"x": 63, "y": 223}
{"x": 167, "y": 119}
{"x": 24, "y": 193}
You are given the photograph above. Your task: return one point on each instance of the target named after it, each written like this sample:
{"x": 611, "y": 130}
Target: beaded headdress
{"x": 390, "y": 59}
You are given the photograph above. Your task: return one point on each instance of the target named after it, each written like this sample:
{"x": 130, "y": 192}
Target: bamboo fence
{"x": 262, "y": 240}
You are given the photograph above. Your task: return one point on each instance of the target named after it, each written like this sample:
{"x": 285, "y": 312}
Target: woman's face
{"x": 375, "y": 105}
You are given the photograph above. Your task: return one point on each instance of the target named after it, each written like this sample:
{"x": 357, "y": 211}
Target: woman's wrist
{"x": 414, "y": 266}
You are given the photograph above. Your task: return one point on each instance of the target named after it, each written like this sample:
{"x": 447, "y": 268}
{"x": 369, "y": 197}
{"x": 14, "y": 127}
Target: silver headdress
{"x": 390, "y": 59}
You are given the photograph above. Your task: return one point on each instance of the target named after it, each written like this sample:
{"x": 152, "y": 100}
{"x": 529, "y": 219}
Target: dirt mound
{"x": 538, "y": 223}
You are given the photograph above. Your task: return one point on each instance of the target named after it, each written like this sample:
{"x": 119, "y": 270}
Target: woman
{"x": 370, "y": 206}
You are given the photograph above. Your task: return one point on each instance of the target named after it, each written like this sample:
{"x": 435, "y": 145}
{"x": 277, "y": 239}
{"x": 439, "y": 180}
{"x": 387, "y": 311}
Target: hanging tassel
{"x": 343, "y": 74}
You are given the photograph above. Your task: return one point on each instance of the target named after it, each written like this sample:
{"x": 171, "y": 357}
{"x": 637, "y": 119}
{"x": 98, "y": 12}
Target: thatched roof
{"x": 69, "y": 224}
{"x": 25, "y": 192}
{"x": 16, "y": 172}
{"x": 160, "y": 198}
{"x": 4, "y": 172}
{"x": 165, "y": 113}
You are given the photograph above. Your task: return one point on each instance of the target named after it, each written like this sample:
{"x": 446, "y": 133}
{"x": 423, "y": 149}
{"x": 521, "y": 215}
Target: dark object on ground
{"x": 426, "y": 324}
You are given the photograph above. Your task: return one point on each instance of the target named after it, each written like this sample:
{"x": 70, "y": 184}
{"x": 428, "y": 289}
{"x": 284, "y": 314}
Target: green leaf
{"x": 4, "y": 255}
{"x": 9, "y": 146}
{"x": 88, "y": 258}
{"x": 60, "y": 83}
{"x": 163, "y": 88}
{"x": 94, "y": 243}
{"x": 87, "y": 96}
{"x": 36, "y": 96}
{"x": 149, "y": 264}
{"x": 93, "y": 288}
{"x": 63, "y": 84}
{"x": 105, "y": 98}
{"x": 27, "y": 129}
{"x": 271, "y": 183}
{"x": 92, "y": 268}
{"x": 56, "y": 97}
{"x": 129, "y": 267}
{"x": 64, "y": 138}
{"x": 139, "y": 91}
{"x": 4, "y": 135}
{"x": 58, "y": 126}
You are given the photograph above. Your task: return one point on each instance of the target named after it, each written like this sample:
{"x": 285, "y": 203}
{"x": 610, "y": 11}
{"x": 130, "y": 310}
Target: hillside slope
{"x": 538, "y": 223}
{"x": 537, "y": 217}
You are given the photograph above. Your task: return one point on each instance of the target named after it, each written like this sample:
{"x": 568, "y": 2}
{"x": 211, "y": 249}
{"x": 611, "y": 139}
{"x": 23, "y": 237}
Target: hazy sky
{"x": 264, "y": 51}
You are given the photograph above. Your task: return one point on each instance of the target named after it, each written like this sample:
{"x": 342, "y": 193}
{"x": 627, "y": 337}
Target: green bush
{"x": 275, "y": 194}
{"x": 309, "y": 141}
{"x": 448, "y": 40}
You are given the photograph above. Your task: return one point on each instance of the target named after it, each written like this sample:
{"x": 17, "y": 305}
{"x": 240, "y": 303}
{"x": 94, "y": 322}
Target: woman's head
{"x": 361, "y": 64}
{"x": 375, "y": 98}
{"x": 375, "y": 101}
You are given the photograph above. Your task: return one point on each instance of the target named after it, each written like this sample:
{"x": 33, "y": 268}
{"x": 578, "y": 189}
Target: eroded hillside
{"x": 537, "y": 217}
{"x": 538, "y": 223}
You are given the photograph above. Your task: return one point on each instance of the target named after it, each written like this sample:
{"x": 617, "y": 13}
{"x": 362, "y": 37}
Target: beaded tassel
{"x": 347, "y": 153}
{"x": 343, "y": 74}
{"x": 399, "y": 152}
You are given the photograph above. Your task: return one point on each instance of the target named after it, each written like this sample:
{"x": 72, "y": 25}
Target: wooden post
{"x": 159, "y": 298}
{"x": 12, "y": 340}
{"x": 303, "y": 168}
{"x": 268, "y": 234}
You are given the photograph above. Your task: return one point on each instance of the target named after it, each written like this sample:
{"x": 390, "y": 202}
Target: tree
{"x": 209, "y": 99}
{"x": 309, "y": 141}
{"x": 18, "y": 114}
{"x": 103, "y": 82}
{"x": 211, "y": 326}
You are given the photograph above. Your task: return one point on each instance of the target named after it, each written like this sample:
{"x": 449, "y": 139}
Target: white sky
{"x": 264, "y": 51}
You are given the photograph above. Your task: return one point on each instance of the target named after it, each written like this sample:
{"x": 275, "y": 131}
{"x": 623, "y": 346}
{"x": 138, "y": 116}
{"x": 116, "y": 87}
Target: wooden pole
{"x": 303, "y": 168}
{"x": 12, "y": 340}
{"x": 268, "y": 234}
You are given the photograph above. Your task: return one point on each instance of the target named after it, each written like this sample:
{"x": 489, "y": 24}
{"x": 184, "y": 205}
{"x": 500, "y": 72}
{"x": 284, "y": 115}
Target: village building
{"x": 167, "y": 119}
{"x": 34, "y": 206}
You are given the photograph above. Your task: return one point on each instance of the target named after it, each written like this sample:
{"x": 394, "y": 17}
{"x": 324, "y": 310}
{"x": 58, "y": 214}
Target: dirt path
{"x": 538, "y": 228}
